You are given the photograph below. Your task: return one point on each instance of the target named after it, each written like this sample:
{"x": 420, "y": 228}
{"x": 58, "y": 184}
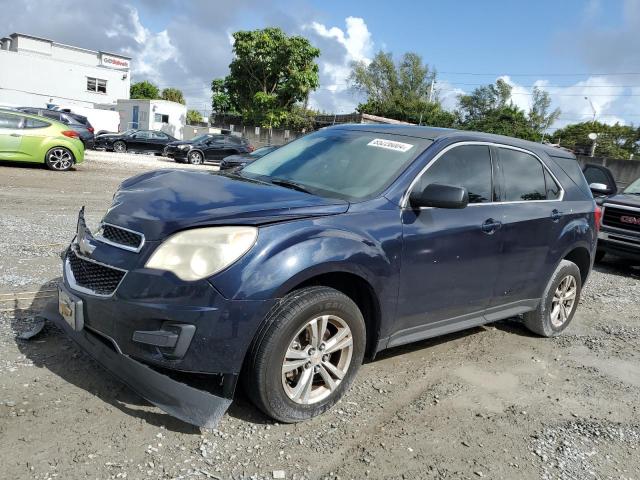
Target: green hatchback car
{"x": 30, "y": 138}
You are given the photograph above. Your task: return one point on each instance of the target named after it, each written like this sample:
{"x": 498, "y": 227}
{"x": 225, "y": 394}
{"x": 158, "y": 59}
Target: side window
{"x": 10, "y": 121}
{"x": 142, "y": 135}
{"x": 553, "y": 189}
{"x": 523, "y": 176}
{"x": 159, "y": 135}
{"x": 595, "y": 175}
{"x": 34, "y": 123}
{"x": 465, "y": 166}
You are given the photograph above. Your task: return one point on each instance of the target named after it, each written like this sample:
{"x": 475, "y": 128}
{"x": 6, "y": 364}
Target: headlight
{"x": 201, "y": 252}
{"x": 184, "y": 147}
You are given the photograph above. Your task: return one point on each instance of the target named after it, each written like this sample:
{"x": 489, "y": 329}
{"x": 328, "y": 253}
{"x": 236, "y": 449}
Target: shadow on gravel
{"x": 619, "y": 266}
{"x": 52, "y": 350}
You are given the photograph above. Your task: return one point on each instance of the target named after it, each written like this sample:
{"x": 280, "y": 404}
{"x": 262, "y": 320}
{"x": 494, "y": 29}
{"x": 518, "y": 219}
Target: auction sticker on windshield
{"x": 390, "y": 145}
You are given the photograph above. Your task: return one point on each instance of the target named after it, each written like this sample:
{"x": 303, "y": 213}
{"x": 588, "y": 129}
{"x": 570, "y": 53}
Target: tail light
{"x": 598, "y": 216}
{"x": 71, "y": 134}
{"x": 91, "y": 129}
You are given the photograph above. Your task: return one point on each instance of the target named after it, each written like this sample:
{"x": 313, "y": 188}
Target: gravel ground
{"x": 491, "y": 402}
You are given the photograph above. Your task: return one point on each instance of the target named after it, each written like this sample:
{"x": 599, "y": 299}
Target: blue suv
{"x": 289, "y": 273}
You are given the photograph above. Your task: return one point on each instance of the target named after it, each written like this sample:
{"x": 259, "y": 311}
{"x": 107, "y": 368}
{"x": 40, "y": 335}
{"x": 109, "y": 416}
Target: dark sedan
{"x": 78, "y": 123}
{"x": 211, "y": 147}
{"x": 141, "y": 141}
{"x": 233, "y": 162}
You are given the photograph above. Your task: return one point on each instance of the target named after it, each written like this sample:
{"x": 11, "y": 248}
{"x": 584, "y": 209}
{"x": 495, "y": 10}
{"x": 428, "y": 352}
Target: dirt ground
{"x": 491, "y": 402}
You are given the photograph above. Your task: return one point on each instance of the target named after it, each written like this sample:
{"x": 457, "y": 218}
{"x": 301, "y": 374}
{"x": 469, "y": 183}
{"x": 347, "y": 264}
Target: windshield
{"x": 199, "y": 138}
{"x": 339, "y": 163}
{"x": 634, "y": 187}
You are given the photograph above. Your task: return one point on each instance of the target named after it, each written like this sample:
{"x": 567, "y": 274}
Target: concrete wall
{"x": 36, "y": 72}
{"x": 624, "y": 171}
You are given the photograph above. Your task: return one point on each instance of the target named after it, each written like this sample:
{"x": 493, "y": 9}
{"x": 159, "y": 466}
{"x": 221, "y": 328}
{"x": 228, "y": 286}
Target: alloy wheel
{"x": 563, "y": 301}
{"x": 119, "y": 147}
{"x": 317, "y": 359}
{"x": 195, "y": 158}
{"x": 60, "y": 159}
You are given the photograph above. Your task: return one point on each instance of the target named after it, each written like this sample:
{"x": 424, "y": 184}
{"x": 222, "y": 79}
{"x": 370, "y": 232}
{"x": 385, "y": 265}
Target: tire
{"x": 600, "y": 255}
{"x": 59, "y": 159}
{"x": 545, "y": 320}
{"x": 195, "y": 158}
{"x": 119, "y": 146}
{"x": 304, "y": 391}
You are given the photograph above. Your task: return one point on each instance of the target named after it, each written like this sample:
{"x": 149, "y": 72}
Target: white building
{"x": 170, "y": 117}
{"x": 35, "y": 72}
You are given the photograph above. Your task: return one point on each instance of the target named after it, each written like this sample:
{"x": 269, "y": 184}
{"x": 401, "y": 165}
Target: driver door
{"x": 450, "y": 258}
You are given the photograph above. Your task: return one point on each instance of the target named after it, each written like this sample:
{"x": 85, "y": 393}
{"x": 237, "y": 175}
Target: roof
{"x": 436, "y": 133}
{"x": 42, "y": 39}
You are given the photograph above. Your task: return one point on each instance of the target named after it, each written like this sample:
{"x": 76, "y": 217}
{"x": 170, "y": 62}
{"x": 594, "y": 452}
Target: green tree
{"x": 173, "y": 95}
{"x": 269, "y": 74}
{"x": 220, "y": 98}
{"x": 614, "y": 141}
{"x": 540, "y": 115}
{"x": 489, "y": 109}
{"x": 194, "y": 116}
{"x": 144, "y": 89}
{"x": 402, "y": 91}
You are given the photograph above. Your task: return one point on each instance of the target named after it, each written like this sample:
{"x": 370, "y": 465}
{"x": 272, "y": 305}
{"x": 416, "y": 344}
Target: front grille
{"x": 121, "y": 236}
{"x": 95, "y": 277}
{"x": 613, "y": 218}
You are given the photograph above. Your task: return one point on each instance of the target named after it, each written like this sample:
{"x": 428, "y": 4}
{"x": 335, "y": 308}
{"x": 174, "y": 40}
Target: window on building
{"x": 96, "y": 85}
{"x": 143, "y": 116}
{"x": 161, "y": 118}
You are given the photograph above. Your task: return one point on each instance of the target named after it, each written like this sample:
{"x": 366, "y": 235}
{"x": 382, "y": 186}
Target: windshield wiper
{"x": 289, "y": 184}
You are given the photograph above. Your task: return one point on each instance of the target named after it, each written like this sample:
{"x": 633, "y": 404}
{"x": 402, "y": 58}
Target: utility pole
{"x": 593, "y": 109}
{"x": 433, "y": 81}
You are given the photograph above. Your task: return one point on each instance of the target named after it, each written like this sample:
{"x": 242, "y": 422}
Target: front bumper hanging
{"x": 189, "y": 404}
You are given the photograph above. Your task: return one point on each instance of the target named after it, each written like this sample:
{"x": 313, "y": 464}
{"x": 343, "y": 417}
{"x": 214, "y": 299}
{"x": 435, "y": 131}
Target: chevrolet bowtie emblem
{"x": 83, "y": 235}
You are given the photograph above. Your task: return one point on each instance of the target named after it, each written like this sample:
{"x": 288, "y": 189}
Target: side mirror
{"x": 440, "y": 196}
{"x": 599, "y": 189}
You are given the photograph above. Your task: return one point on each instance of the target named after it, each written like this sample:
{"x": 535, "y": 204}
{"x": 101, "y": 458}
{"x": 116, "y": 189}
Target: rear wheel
{"x": 195, "y": 158}
{"x": 119, "y": 146}
{"x": 307, "y": 356}
{"x": 558, "y": 303}
{"x": 59, "y": 159}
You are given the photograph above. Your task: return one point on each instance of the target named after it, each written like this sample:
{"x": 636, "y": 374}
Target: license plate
{"x": 70, "y": 308}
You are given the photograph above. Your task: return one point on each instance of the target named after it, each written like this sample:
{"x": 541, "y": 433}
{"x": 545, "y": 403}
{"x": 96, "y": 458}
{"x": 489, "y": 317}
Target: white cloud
{"x": 339, "y": 49}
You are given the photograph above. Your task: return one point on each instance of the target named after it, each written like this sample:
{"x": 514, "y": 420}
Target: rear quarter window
{"x": 571, "y": 167}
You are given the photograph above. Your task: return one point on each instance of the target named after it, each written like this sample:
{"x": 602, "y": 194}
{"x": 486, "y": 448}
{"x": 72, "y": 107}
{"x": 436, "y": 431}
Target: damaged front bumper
{"x": 190, "y": 404}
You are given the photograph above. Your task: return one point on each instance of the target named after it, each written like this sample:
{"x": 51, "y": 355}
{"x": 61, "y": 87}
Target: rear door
{"x": 532, "y": 220}
{"x": 10, "y": 136}
{"x": 158, "y": 141}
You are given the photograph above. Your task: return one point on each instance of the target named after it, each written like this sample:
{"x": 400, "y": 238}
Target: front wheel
{"x": 195, "y": 158}
{"x": 307, "y": 355}
{"x": 59, "y": 159}
{"x": 119, "y": 147}
{"x": 558, "y": 303}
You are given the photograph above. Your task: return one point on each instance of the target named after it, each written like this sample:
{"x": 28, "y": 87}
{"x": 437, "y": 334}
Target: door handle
{"x": 15, "y": 135}
{"x": 490, "y": 226}
{"x": 556, "y": 215}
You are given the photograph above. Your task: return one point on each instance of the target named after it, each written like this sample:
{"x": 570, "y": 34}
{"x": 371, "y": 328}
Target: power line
{"x": 584, "y": 74}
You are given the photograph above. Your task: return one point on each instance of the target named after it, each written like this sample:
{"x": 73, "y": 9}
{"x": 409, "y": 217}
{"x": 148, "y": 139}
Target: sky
{"x": 571, "y": 48}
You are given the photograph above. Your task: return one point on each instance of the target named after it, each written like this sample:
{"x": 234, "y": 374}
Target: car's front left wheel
{"x": 59, "y": 159}
{"x": 307, "y": 355}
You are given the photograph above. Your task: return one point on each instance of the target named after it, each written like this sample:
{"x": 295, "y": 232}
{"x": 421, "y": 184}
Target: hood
{"x": 162, "y": 202}
{"x": 240, "y": 157}
{"x": 626, "y": 199}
